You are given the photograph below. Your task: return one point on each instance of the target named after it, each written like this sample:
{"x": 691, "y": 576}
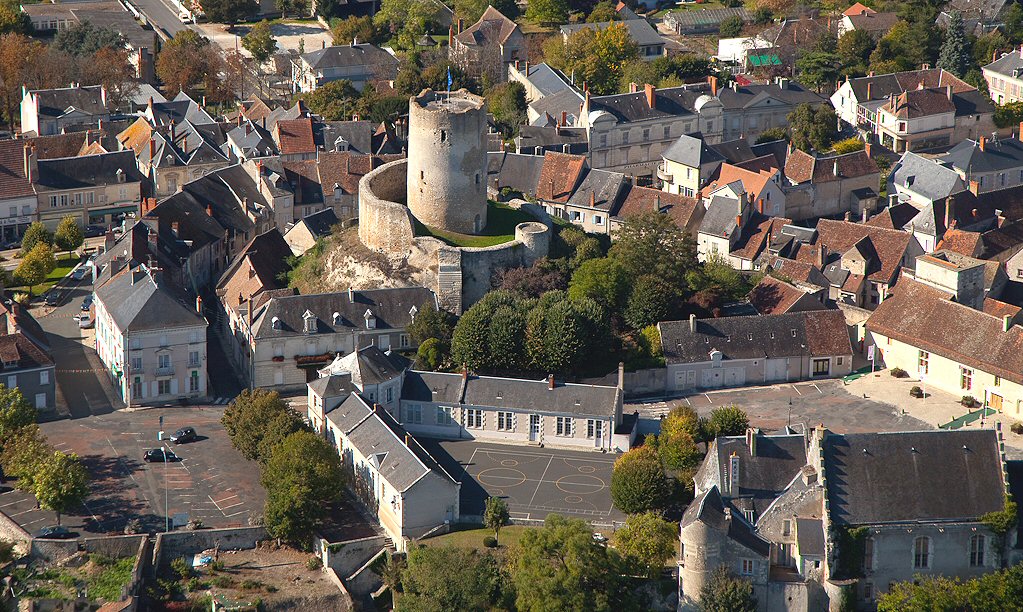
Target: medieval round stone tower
{"x": 447, "y": 160}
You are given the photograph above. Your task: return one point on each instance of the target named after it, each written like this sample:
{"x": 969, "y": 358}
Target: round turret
{"x": 447, "y": 160}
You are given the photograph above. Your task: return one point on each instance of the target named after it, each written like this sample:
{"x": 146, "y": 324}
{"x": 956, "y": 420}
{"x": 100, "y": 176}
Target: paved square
{"x": 533, "y": 481}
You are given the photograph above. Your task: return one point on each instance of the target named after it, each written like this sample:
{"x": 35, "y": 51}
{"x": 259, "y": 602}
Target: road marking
{"x": 709, "y": 401}
{"x": 222, "y": 508}
{"x": 818, "y": 389}
{"x": 539, "y": 484}
{"x": 236, "y": 513}
{"x": 687, "y": 402}
{"x": 797, "y": 389}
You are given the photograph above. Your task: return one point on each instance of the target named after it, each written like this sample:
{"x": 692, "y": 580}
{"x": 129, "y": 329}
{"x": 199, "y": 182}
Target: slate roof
{"x": 691, "y": 150}
{"x": 390, "y": 307}
{"x": 927, "y": 177}
{"x": 338, "y": 56}
{"x": 800, "y": 271}
{"x": 335, "y": 385}
{"x": 545, "y": 79}
{"x": 87, "y": 171}
{"x": 702, "y": 18}
{"x": 545, "y": 136}
{"x": 818, "y": 334}
{"x": 801, "y": 167}
{"x": 366, "y": 366}
{"x": 1008, "y": 62}
{"x": 181, "y": 108}
{"x": 605, "y": 186}
{"x": 890, "y": 245}
{"x": 491, "y": 26}
{"x": 917, "y": 103}
{"x": 925, "y": 317}
{"x": 253, "y": 139}
{"x": 519, "y": 172}
{"x": 257, "y": 268}
{"x": 640, "y": 30}
{"x": 998, "y": 155}
{"x": 358, "y": 135}
{"x": 810, "y": 536}
{"x": 559, "y": 176}
{"x": 709, "y": 509}
{"x": 567, "y": 101}
{"x": 878, "y": 23}
{"x": 520, "y": 394}
{"x": 437, "y": 387}
{"x": 320, "y": 223}
{"x": 764, "y": 474}
{"x": 57, "y": 102}
{"x": 720, "y": 218}
{"x": 136, "y": 301}
{"x": 910, "y": 477}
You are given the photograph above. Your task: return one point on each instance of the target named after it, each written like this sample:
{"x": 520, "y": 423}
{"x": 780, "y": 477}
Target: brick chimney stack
{"x": 550, "y": 382}
{"x": 982, "y": 142}
{"x": 650, "y": 99}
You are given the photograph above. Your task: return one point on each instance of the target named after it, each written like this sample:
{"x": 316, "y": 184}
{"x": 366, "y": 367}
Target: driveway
{"x": 83, "y": 386}
{"x": 211, "y": 483}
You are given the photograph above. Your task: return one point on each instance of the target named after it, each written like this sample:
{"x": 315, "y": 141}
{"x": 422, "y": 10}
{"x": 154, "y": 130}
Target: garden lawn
{"x": 472, "y": 538}
{"x": 501, "y": 222}
{"x": 64, "y": 266}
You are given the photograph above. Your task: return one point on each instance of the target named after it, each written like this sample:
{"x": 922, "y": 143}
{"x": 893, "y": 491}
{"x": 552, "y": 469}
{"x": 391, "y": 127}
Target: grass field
{"x": 472, "y": 538}
{"x": 501, "y": 222}
{"x": 64, "y": 266}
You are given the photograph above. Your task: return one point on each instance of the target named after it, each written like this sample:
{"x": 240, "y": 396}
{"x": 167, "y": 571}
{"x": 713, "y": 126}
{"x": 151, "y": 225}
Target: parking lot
{"x": 811, "y": 403}
{"x": 533, "y": 481}
{"x": 211, "y": 482}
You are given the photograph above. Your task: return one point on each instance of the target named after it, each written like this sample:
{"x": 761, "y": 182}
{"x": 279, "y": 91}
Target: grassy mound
{"x": 501, "y": 222}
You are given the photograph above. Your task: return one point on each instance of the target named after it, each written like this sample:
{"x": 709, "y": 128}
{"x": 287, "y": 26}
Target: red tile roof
{"x": 801, "y": 167}
{"x": 773, "y": 296}
{"x": 890, "y": 245}
{"x": 13, "y": 183}
{"x": 1000, "y": 309}
{"x": 642, "y": 199}
{"x": 295, "y": 136}
{"x": 962, "y": 242}
{"x": 858, "y": 9}
{"x": 917, "y": 103}
{"x": 559, "y": 176}
{"x": 346, "y": 169}
{"x": 752, "y": 181}
{"x": 756, "y": 235}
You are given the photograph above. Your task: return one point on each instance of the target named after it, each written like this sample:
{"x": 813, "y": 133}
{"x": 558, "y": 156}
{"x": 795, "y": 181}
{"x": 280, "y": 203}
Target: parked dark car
{"x": 55, "y": 532}
{"x": 185, "y": 434}
{"x": 53, "y": 298}
{"x": 94, "y": 231}
{"x": 87, "y": 303}
{"x": 14, "y": 244}
{"x": 157, "y": 454}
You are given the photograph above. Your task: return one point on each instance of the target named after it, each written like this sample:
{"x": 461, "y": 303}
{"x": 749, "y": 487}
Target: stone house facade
{"x": 96, "y": 189}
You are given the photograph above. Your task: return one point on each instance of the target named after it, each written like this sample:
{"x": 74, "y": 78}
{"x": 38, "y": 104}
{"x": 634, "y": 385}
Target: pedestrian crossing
{"x": 221, "y": 401}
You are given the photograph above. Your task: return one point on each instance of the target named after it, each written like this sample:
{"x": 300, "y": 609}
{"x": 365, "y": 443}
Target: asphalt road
{"x": 83, "y": 387}
{"x": 162, "y": 14}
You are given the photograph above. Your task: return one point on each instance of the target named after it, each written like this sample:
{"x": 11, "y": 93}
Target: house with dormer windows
{"x": 289, "y": 337}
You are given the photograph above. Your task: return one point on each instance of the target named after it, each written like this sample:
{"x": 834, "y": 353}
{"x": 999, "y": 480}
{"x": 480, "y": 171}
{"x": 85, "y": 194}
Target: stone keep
{"x": 447, "y": 160}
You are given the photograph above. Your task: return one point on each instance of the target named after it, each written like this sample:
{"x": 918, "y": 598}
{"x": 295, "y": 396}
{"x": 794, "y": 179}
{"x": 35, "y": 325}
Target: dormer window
{"x": 10, "y": 364}
{"x": 275, "y": 323}
{"x": 337, "y": 319}
{"x": 309, "y": 322}
{"x": 371, "y": 320}
{"x": 340, "y": 145}
{"x": 412, "y": 312}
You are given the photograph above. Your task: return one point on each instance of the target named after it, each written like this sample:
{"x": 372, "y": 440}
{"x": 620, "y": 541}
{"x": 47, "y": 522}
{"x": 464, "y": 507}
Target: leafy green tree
{"x": 717, "y": 274}
{"x": 1008, "y": 114}
{"x": 15, "y": 413}
{"x": 604, "y": 281}
{"x": 547, "y": 12}
{"x": 260, "y": 42}
{"x": 853, "y": 51}
{"x": 35, "y": 234}
{"x": 544, "y": 275}
{"x": 772, "y": 134}
{"x": 448, "y": 578}
{"x": 848, "y": 145}
{"x": 651, "y": 243}
{"x": 187, "y": 61}
{"x": 955, "y": 53}
{"x": 603, "y": 11}
{"x": 68, "y": 236}
{"x": 84, "y": 39}
{"x": 903, "y": 47}
{"x": 506, "y": 336}
{"x": 334, "y": 101}
{"x": 23, "y": 452}
{"x": 1014, "y": 22}
{"x": 61, "y": 483}
{"x": 732, "y": 26}
{"x": 648, "y": 541}
{"x": 495, "y": 515}
{"x": 561, "y": 567}
{"x": 406, "y": 18}
{"x": 677, "y": 447}
{"x": 302, "y": 477}
{"x": 472, "y": 10}
{"x": 12, "y": 20}
{"x": 638, "y": 482}
{"x": 507, "y": 103}
{"x": 35, "y": 266}
{"x": 728, "y": 421}
{"x": 294, "y": 7}
{"x": 432, "y": 353}
{"x": 725, "y": 592}
{"x": 257, "y": 414}
{"x": 470, "y": 342}
{"x": 431, "y": 323}
{"x": 228, "y": 11}
{"x": 650, "y": 302}
{"x": 818, "y": 69}
{"x": 352, "y": 28}
{"x": 564, "y": 335}
{"x": 813, "y": 127}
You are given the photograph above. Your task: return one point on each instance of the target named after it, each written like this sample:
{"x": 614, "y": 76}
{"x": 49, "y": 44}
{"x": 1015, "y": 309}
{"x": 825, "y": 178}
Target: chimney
{"x": 621, "y": 375}
{"x": 377, "y": 408}
{"x": 564, "y": 117}
{"x": 760, "y": 206}
{"x": 974, "y": 213}
{"x": 172, "y": 130}
{"x": 834, "y": 167}
{"x": 152, "y": 148}
{"x": 692, "y": 323}
{"x": 982, "y": 142}
{"x": 650, "y": 100}
{"x": 351, "y": 294}
{"x": 866, "y": 148}
{"x": 550, "y": 381}
{"x": 713, "y": 80}
{"x": 751, "y": 441}
{"x": 1006, "y": 323}
{"x": 30, "y": 163}
{"x": 948, "y": 210}
{"x": 738, "y": 222}
{"x": 657, "y": 202}
{"x": 822, "y": 255}
{"x": 323, "y": 44}
{"x": 465, "y": 373}
{"x": 633, "y": 87}
{"x": 248, "y": 312}
{"x": 593, "y": 199}
{"x": 847, "y": 217}
{"x": 451, "y": 36}
{"x": 198, "y": 304}
{"x": 864, "y": 219}
{"x": 925, "y": 67}
{"x": 408, "y": 440}
{"x": 209, "y": 210}
{"x": 461, "y": 23}
{"x": 869, "y": 87}
{"x": 974, "y": 187}
{"x": 525, "y": 66}
{"x": 733, "y": 475}
{"x": 948, "y": 91}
